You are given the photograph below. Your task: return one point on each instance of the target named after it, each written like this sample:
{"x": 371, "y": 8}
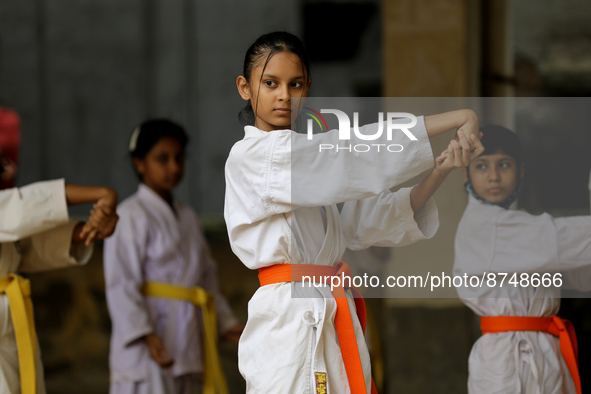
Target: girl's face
{"x": 163, "y": 166}
{"x": 494, "y": 177}
{"x": 7, "y": 171}
{"x": 270, "y": 91}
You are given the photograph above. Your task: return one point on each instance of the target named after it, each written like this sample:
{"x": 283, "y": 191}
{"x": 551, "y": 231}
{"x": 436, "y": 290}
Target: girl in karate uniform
{"x": 525, "y": 349}
{"x": 157, "y": 268}
{"x": 37, "y": 235}
{"x": 294, "y": 345}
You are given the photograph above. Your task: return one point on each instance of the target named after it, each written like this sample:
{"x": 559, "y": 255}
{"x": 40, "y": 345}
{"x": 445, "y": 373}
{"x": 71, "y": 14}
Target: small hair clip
{"x": 133, "y": 140}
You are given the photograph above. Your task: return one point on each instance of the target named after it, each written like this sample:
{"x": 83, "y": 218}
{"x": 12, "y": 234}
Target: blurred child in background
{"x": 161, "y": 280}
{"x": 526, "y": 347}
{"x": 36, "y": 235}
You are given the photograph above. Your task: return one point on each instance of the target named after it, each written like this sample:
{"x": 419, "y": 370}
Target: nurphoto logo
{"x": 345, "y": 130}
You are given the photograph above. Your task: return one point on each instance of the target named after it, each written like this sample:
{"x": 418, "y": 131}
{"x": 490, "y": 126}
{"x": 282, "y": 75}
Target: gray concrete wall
{"x": 83, "y": 74}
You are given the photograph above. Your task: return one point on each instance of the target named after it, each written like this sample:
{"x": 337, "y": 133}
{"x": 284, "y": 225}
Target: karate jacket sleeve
{"x": 516, "y": 241}
{"x": 32, "y": 209}
{"x": 282, "y": 170}
{"x": 53, "y": 249}
{"x": 123, "y": 254}
{"x": 387, "y": 220}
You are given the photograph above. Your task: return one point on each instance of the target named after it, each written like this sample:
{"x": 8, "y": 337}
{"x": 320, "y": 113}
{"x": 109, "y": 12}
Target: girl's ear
{"x": 243, "y": 88}
{"x": 465, "y": 174}
{"x": 522, "y": 171}
{"x": 139, "y": 165}
{"x": 308, "y": 88}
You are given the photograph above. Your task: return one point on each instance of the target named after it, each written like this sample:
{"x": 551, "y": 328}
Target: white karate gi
{"x": 153, "y": 243}
{"x": 272, "y": 221}
{"x": 35, "y": 235}
{"x": 492, "y": 239}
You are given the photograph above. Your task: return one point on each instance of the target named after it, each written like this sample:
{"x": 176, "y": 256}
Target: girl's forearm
{"x": 440, "y": 123}
{"x": 76, "y": 194}
{"x": 425, "y": 189}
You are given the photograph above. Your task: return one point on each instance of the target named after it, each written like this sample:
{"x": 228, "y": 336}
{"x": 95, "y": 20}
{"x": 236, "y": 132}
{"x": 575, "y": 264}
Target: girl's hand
{"x": 233, "y": 335}
{"x": 465, "y": 120}
{"x": 103, "y": 218}
{"x": 108, "y": 199}
{"x": 76, "y": 234}
{"x": 460, "y": 152}
{"x": 470, "y": 127}
{"x": 157, "y": 351}
{"x": 101, "y": 224}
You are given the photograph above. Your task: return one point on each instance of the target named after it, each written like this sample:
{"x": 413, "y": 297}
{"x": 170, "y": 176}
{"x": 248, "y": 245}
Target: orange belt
{"x": 563, "y": 329}
{"x": 344, "y": 325}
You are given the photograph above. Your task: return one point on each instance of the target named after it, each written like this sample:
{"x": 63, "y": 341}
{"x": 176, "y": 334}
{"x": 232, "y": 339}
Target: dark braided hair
{"x": 268, "y": 45}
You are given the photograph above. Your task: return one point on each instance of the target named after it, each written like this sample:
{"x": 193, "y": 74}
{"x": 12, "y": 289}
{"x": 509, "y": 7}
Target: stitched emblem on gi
{"x": 321, "y": 383}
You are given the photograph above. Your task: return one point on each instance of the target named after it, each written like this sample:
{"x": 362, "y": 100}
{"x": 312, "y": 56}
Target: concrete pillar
{"x": 425, "y": 48}
{"x": 430, "y": 50}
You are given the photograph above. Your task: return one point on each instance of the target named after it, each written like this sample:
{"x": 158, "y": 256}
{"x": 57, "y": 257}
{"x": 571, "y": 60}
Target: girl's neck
{"x": 166, "y": 195}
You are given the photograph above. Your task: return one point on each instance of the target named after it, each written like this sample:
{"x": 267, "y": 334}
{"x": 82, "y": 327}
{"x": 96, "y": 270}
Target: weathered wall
{"x": 83, "y": 74}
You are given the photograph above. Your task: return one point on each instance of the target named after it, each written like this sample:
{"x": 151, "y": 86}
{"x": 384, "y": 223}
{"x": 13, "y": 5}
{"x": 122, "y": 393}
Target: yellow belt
{"x": 18, "y": 291}
{"x": 214, "y": 381}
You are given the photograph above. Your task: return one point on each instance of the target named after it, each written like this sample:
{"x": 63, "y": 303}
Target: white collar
{"x": 251, "y": 131}
{"x": 145, "y": 193}
{"x": 474, "y": 200}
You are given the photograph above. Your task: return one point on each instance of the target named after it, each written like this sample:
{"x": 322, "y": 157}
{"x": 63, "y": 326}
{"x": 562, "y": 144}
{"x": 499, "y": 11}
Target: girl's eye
{"x": 505, "y": 164}
{"x": 270, "y": 83}
{"x": 296, "y": 85}
{"x": 480, "y": 166}
{"x": 162, "y": 159}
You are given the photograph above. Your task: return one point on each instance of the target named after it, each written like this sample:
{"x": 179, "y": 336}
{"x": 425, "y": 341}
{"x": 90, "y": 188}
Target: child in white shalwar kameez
{"x": 36, "y": 235}
{"x": 291, "y": 345}
{"x": 493, "y": 239}
{"x": 156, "y": 344}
